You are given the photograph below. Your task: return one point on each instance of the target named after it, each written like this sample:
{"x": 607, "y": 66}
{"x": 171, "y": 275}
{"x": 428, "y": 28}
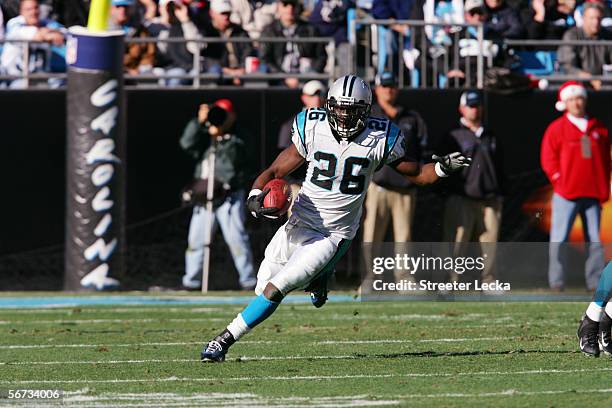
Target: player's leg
{"x": 318, "y": 286}
{"x": 231, "y": 218}
{"x": 196, "y": 240}
{"x": 596, "y": 323}
{"x": 310, "y": 255}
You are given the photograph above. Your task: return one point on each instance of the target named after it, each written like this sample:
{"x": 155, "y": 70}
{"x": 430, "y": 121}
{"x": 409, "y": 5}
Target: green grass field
{"x": 345, "y": 354}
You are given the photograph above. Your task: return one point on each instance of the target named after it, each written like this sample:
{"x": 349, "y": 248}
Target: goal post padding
{"x": 95, "y": 221}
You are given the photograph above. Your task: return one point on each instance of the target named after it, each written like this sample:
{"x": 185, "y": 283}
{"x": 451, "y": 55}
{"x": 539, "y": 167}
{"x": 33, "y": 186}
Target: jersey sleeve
{"x": 395, "y": 145}
{"x": 298, "y": 133}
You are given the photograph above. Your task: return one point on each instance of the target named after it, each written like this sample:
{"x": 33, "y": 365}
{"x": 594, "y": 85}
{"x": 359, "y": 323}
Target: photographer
{"x": 213, "y": 136}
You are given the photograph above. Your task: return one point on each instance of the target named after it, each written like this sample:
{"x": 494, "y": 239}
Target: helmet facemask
{"x": 346, "y": 116}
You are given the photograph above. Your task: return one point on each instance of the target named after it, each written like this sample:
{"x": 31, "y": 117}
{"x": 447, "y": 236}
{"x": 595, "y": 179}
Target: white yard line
{"x": 82, "y": 310}
{"x": 506, "y": 393}
{"x": 219, "y": 399}
{"x": 322, "y": 342}
{"x": 307, "y": 378}
{"x": 99, "y": 321}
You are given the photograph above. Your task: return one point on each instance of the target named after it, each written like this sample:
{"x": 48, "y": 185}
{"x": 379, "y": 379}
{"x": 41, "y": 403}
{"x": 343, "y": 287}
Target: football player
{"x": 343, "y": 147}
{"x": 596, "y": 323}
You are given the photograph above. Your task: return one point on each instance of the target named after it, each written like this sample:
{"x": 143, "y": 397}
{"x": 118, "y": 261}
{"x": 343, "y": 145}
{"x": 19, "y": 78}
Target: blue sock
{"x": 258, "y": 310}
{"x": 604, "y": 287}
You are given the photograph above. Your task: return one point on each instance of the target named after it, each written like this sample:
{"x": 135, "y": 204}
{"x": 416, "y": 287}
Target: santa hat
{"x": 570, "y": 89}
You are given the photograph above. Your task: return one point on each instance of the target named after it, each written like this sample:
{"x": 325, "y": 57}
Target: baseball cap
{"x": 123, "y": 3}
{"x": 473, "y": 4}
{"x": 225, "y": 104}
{"x": 313, "y": 87}
{"x": 385, "y": 79}
{"x": 221, "y": 6}
{"x": 470, "y": 98}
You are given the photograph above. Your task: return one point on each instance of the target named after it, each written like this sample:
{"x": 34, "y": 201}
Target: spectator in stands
{"x": 587, "y": 60}
{"x": 139, "y": 57}
{"x": 473, "y": 209}
{"x": 474, "y": 13}
{"x": 313, "y": 96}
{"x": 264, "y": 13}
{"x": 606, "y": 21}
{"x": 391, "y": 198}
{"x": 330, "y": 18}
{"x": 440, "y": 11}
{"x": 174, "y": 58}
{"x": 575, "y": 156}
{"x": 71, "y": 12}
{"x": 228, "y": 57}
{"x": 242, "y": 15}
{"x": 29, "y": 26}
{"x": 501, "y": 21}
{"x": 548, "y": 19}
{"x": 388, "y": 47}
{"x": 216, "y": 125}
{"x": 148, "y": 9}
{"x": 292, "y": 57}
{"x": 198, "y": 12}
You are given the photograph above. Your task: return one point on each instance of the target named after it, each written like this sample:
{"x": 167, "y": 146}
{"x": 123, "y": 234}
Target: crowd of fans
{"x": 45, "y": 21}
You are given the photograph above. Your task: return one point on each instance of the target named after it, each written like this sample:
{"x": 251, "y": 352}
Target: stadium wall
{"x": 33, "y": 148}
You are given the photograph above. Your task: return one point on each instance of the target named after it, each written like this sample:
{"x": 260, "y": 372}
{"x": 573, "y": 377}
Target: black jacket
{"x": 415, "y": 133}
{"x": 484, "y": 178}
{"x": 273, "y": 53}
{"x": 502, "y": 22}
{"x": 221, "y": 51}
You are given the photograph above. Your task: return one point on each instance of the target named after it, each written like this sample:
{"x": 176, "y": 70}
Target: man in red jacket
{"x": 576, "y": 158}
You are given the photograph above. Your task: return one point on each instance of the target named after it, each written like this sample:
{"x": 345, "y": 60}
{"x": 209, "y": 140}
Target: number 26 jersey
{"x": 339, "y": 171}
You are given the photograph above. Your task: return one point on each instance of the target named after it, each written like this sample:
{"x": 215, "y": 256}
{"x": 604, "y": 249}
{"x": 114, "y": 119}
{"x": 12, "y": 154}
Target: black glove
{"x": 451, "y": 163}
{"x": 255, "y": 205}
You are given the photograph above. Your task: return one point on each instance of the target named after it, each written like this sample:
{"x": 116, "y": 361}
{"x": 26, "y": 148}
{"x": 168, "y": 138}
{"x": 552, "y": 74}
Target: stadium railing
{"x": 429, "y": 51}
{"x": 436, "y": 49}
{"x": 196, "y": 76}
{"x": 538, "y": 58}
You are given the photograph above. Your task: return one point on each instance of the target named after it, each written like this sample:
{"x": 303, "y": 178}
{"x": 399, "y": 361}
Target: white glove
{"x": 450, "y": 163}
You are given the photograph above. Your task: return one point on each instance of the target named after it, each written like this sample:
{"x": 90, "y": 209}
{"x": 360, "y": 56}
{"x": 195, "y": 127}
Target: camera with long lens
{"x": 216, "y": 116}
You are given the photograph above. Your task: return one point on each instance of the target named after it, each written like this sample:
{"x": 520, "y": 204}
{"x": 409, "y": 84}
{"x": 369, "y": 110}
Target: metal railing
{"x": 473, "y": 55}
{"x": 196, "y": 76}
{"x": 555, "y": 74}
{"x": 427, "y": 64}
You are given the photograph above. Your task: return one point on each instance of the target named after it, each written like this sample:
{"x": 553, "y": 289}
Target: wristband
{"x": 439, "y": 171}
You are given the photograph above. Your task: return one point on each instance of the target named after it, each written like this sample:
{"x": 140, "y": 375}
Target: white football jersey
{"x": 339, "y": 172}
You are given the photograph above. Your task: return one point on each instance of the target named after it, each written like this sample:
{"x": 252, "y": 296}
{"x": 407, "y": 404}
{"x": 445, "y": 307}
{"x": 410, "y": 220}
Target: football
{"x": 279, "y": 196}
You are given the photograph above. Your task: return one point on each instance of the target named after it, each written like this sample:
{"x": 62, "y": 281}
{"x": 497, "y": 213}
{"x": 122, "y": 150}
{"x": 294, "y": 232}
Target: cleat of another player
{"x": 587, "y": 337}
{"x": 213, "y": 352}
{"x": 318, "y": 298}
{"x": 605, "y": 336}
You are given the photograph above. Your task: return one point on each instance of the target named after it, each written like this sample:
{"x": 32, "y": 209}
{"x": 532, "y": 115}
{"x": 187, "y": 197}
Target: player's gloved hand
{"x": 446, "y": 165}
{"x": 255, "y": 204}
